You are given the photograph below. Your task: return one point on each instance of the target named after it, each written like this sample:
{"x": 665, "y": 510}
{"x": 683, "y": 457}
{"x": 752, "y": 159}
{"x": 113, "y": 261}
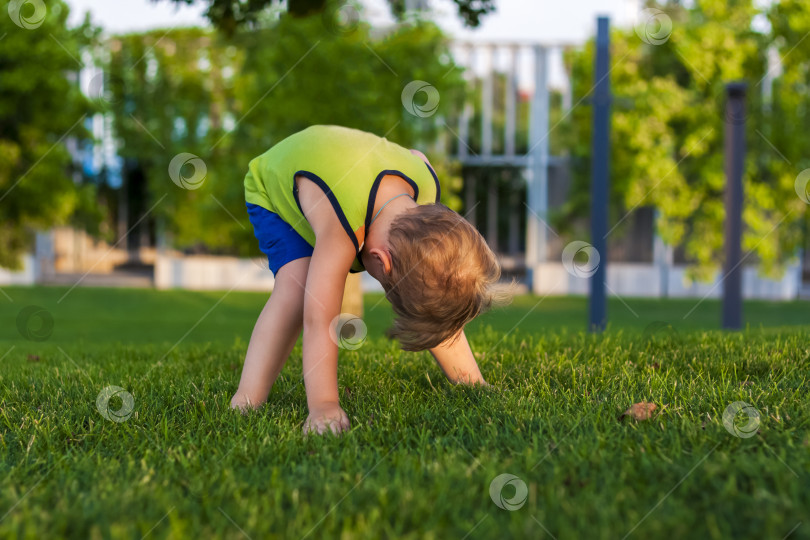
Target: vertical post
{"x": 662, "y": 258}
{"x": 514, "y": 218}
{"x": 734, "y": 165}
{"x": 487, "y": 105}
{"x": 487, "y": 101}
{"x": 352, "y": 295}
{"x": 773, "y": 71}
{"x": 509, "y": 102}
{"x": 464, "y": 132}
{"x": 464, "y": 136}
{"x": 537, "y": 193}
{"x": 600, "y": 163}
{"x": 466, "y": 110}
{"x": 568, "y": 88}
{"x": 470, "y": 198}
{"x": 492, "y": 212}
{"x": 509, "y": 145}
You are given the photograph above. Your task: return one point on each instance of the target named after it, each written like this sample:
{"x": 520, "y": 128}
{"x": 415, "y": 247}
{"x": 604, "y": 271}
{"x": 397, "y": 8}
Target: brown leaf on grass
{"x": 639, "y": 411}
{"x": 33, "y": 358}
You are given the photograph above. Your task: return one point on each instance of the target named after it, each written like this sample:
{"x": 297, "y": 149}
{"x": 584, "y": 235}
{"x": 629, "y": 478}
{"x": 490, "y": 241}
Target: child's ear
{"x": 383, "y": 257}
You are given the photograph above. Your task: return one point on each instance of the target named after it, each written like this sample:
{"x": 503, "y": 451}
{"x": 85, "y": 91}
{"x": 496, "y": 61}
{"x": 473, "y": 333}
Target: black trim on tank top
{"x": 372, "y": 194}
{"x": 435, "y": 179}
{"x": 333, "y": 200}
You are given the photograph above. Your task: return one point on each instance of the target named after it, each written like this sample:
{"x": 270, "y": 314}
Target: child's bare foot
{"x": 243, "y": 403}
{"x": 327, "y": 417}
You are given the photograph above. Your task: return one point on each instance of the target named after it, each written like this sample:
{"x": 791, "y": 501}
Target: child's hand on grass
{"x": 326, "y": 417}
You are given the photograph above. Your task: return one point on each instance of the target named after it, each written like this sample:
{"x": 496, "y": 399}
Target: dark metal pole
{"x": 734, "y": 164}
{"x": 600, "y": 163}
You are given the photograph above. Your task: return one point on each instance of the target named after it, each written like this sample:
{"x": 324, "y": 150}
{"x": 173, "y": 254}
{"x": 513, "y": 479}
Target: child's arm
{"x": 331, "y": 260}
{"x": 456, "y": 359}
{"x": 324, "y": 294}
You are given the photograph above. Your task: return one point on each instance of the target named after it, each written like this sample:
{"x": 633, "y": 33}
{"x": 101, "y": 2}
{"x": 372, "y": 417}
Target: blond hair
{"x": 442, "y": 276}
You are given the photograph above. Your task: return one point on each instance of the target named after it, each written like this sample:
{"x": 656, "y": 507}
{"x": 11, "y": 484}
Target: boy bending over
{"x": 331, "y": 200}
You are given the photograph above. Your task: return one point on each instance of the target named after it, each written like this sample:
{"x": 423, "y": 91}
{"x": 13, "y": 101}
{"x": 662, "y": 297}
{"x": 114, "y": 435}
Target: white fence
{"x": 648, "y": 280}
{"x": 205, "y": 272}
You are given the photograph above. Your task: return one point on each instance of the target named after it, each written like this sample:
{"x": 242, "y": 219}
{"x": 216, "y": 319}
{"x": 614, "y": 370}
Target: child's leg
{"x": 274, "y": 335}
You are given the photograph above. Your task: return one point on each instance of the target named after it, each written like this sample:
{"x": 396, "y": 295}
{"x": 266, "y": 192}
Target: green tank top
{"x": 348, "y": 165}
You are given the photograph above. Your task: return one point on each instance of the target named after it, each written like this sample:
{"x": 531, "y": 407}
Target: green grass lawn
{"x": 421, "y": 457}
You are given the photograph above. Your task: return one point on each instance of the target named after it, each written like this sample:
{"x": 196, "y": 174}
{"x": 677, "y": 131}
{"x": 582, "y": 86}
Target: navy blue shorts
{"x": 277, "y": 239}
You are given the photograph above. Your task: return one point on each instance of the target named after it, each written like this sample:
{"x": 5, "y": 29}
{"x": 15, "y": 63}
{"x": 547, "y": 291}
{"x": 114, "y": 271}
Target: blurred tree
{"x": 41, "y": 107}
{"x": 228, "y": 15}
{"x": 668, "y": 131}
{"x": 191, "y": 91}
{"x": 170, "y": 91}
{"x": 789, "y": 116}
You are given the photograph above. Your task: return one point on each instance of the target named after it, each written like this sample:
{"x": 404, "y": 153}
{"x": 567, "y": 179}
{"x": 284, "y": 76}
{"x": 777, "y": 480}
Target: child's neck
{"x": 376, "y": 240}
{"x": 387, "y": 205}
{"x": 377, "y": 233}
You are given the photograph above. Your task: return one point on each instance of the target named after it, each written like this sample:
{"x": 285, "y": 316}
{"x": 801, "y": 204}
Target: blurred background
{"x": 126, "y": 128}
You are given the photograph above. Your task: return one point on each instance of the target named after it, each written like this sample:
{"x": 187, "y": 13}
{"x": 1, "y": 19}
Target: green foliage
{"x": 421, "y": 455}
{"x": 41, "y": 107}
{"x": 227, "y": 101}
{"x": 668, "y": 130}
{"x": 229, "y": 15}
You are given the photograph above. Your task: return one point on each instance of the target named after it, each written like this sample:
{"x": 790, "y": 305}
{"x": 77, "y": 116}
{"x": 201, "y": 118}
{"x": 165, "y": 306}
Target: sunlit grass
{"x": 421, "y": 454}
